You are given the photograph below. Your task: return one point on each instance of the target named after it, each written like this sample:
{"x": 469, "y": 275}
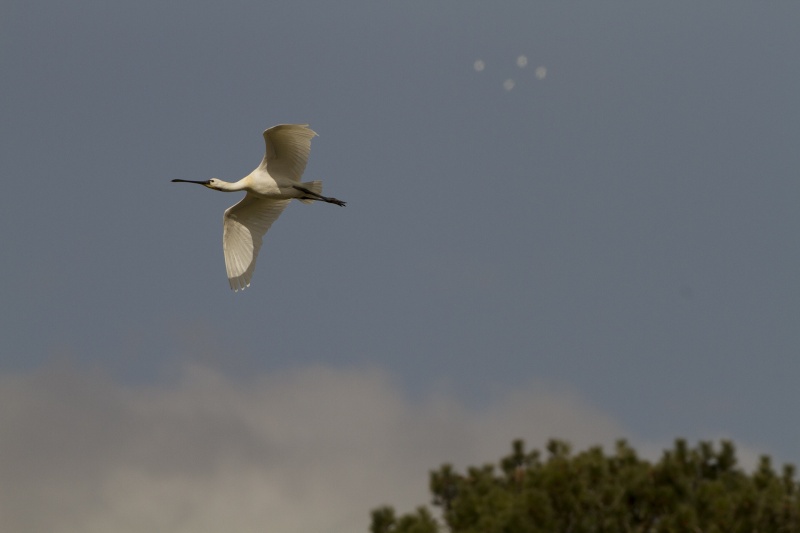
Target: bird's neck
{"x": 227, "y": 186}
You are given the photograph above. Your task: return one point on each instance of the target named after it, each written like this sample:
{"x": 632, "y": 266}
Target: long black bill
{"x": 190, "y": 181}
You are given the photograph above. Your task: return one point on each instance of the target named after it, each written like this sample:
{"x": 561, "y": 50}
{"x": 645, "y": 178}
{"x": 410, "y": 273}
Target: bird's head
{"x": 214, "y": 183}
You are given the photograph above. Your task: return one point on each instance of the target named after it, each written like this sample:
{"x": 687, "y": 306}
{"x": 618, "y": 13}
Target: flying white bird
{"x": 270, "y": 188}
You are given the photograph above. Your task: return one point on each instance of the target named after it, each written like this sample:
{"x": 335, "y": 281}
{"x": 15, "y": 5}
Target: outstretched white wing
{"x": 287, "y": 149}
{"x": 244, "y": 225}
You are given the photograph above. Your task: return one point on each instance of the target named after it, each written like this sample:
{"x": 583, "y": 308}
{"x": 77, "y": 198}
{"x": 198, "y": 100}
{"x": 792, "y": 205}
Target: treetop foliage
{"x": 699, "y": 489}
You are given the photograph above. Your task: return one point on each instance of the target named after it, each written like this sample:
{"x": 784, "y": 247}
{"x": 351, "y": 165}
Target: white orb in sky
{"x": 522, "y": 61}
{"x": 479, "y": 65}
{"x": 540, "y": 72}
{"x": 508, "y": 84}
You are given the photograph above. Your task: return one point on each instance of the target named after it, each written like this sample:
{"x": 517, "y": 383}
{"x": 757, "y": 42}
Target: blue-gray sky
{"x": 616, "y": 239}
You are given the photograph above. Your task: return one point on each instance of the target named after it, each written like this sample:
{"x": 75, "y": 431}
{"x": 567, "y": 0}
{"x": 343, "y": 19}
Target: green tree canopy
{"x": 698, "y": 489}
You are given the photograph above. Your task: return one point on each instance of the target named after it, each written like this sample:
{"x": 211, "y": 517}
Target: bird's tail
{"x": 313, "y": 186}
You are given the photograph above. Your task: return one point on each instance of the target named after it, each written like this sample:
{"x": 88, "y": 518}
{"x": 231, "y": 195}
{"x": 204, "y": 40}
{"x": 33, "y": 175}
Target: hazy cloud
{"x": 306, "y": 450}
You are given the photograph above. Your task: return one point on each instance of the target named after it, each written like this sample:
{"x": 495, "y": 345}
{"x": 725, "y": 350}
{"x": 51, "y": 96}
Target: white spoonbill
{"x": 270, "y": 187}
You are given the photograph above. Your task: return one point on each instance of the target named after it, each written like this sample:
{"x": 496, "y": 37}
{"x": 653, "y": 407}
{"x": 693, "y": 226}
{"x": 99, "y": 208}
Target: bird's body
{"x": 270, "y": 188}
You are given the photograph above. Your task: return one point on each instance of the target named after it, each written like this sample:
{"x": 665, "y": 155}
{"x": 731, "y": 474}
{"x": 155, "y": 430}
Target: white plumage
{"x": 270, "y": 188}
